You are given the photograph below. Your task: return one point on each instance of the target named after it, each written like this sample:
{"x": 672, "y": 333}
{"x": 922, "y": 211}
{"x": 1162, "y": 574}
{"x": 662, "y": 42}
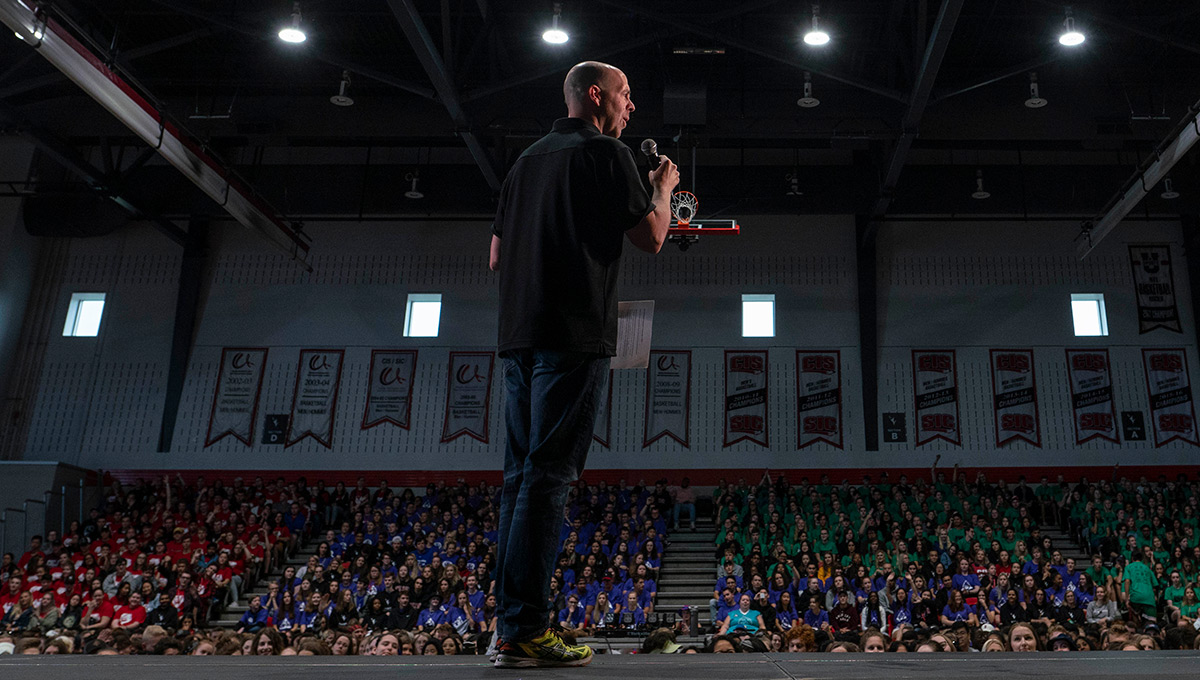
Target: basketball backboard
{"x": 685, "y": 236}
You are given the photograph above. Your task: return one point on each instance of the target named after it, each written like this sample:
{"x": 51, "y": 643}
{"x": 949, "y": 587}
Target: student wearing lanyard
{"x": 742, "y": 618}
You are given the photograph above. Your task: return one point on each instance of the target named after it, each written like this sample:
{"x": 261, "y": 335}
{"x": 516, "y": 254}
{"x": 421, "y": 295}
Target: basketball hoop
{"x": 683, "y": 207}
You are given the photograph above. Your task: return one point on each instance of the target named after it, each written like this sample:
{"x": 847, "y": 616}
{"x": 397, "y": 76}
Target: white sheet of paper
{"x": 635, "y": 324}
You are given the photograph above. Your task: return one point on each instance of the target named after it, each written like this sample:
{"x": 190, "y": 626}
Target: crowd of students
{"x": 168, "y": 554}
{"x": 950, "y": 563}
{"x": 922, "y": 556}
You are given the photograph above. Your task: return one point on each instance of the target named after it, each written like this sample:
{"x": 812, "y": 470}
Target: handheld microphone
{"x": 650, "y": 148}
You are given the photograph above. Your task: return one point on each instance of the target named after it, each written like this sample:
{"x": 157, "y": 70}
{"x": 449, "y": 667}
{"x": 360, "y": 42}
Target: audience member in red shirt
{"x": 132, "y": 615}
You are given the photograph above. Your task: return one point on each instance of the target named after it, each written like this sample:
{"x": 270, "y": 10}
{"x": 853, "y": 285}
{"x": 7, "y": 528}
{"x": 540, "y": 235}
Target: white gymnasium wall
{"x": 977, "y": 286}
{"x": 941, "y": 285}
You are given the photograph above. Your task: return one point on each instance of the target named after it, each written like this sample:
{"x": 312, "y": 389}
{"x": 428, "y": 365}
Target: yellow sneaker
{"x": 545, "y": 650}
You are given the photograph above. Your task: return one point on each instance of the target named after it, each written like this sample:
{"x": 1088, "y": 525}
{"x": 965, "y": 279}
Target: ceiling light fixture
{"x": 808, "y": 101}
{"x": 1035, "y": 100}
{"x": 980, "y": 193}
{"x": 341, "y": 98}
{"x": 815, "y": 35}
{"x": 555, "y": 35}
{"x": 413, "y": 192}
{"x": 293, "y": 33}
{"x": 1169, "y": 192}
{"x": 1070, "y": 37}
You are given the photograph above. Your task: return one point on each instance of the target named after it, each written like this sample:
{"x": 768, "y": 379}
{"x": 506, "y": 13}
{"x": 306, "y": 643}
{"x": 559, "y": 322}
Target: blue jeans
{"x": 550, "y": 413}
{"x": 684, "y": 508}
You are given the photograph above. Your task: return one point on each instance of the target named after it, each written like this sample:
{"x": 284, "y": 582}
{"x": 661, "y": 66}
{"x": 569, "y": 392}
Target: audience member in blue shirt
{"x": 815, "y": 616}
{"x": 572, "y": 616}
{"x": 433, "y": 615}
{"x": 255, "y": 617}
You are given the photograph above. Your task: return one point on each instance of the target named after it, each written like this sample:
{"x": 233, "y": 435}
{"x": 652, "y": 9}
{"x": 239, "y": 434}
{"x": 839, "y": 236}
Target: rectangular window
{"x": 83, "y": 316}
{"x": 1088, "y": 315}
{"x": 758, "y": 315}
{"x": 423, "y": 315}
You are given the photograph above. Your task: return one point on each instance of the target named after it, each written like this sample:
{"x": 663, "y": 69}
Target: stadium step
{"x": 689, "y": 569}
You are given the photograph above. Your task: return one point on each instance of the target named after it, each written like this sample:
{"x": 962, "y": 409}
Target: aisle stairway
{"x": 689, "y": 570}
{"x": 232, "y": 614}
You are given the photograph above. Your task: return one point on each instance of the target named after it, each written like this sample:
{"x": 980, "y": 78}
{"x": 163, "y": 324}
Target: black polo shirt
{"x": 564, "y": 210}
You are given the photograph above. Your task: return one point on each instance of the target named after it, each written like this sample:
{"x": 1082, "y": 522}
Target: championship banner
{"x": 602, "y": 429}
{"x": 314, "y": 401}
{"x": 1014, "y": 396}
{"x": 389, "y": 394}
{"x": 1170, "y": 391}
{"x": 468, "y": 396}
{"x": 746, "y": 397}
{"x": 935, "y": 392}
{"x": 1155, "y": 288}
{"x": 819, "y": 397}
{"x": 235, "y": 400}
{"x": 1090, "y": 373}
{"x": 668, "y": 396}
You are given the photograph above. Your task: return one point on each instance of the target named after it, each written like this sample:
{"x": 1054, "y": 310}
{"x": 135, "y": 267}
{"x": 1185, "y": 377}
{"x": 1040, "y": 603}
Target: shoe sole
{"x": 506, "y": 661}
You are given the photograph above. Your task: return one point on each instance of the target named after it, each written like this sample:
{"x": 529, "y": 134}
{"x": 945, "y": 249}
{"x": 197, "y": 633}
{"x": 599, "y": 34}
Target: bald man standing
{"x": 565, "y": 208}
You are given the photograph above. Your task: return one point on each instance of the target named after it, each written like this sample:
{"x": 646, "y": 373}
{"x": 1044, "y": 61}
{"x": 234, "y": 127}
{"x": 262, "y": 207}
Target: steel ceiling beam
{"x": 123, "y": 59}
{"x": 752, "y": 48}
{"x": 996, "y": 77}
{"x": 931, "y": 63}
{"x": 1153, "y": 170}
{"x": 70, "y": 158}
{"x": 560, "y": 65}
{"x": 427, "y": 53}
{"x": 311, "y": 50}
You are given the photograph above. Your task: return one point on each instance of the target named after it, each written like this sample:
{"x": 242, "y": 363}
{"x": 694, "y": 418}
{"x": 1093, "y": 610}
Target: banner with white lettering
{"x": 746, "y": 397}
{"x": 1095, "y": 415}
{"x": 468, "y": 396}
{"x": 1170, "y": 389}
{"x": 935, "y": 392}
{"x": 314, "y": 401}
{"x": 1014, "y": 396}
{"x": 389, "y": 394}
{"x": 668, "y": 396}
{"x": 819, "y": 397}
{"x": 1155, "y": 287}
{"x": 602, "y": 429}
{"x": 235, "y": 400}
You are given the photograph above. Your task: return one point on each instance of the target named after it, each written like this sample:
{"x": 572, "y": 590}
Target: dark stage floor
{"x": 1046, "y": 666}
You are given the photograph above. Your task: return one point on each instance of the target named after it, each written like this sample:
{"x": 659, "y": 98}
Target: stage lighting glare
{"x": 815, "y": 36}
{"x": 294, "y": 33}
{"x": 1070, "y": 37}
{"x": 555, "y": 35}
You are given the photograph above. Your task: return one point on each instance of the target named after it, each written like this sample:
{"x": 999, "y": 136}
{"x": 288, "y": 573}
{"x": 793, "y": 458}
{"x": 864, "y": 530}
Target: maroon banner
{"x": 314, "y": 400}
{"x": 819, "y": 397}
{"x": 389, "y": 393}
{"x": 235, "y": 399}
{"x": 935, "y": 393}
{"x": 468, "y": 396}
{"x": 1169, "y": 385}
{"x": 746, "y": 381}
{"x": 602, "y": 429}
{"x": 1090, "y": 374}
{"x": 668, "y": 396}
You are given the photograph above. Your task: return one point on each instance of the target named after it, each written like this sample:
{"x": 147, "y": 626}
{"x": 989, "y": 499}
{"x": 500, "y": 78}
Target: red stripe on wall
{"x": 698, "y": 477}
